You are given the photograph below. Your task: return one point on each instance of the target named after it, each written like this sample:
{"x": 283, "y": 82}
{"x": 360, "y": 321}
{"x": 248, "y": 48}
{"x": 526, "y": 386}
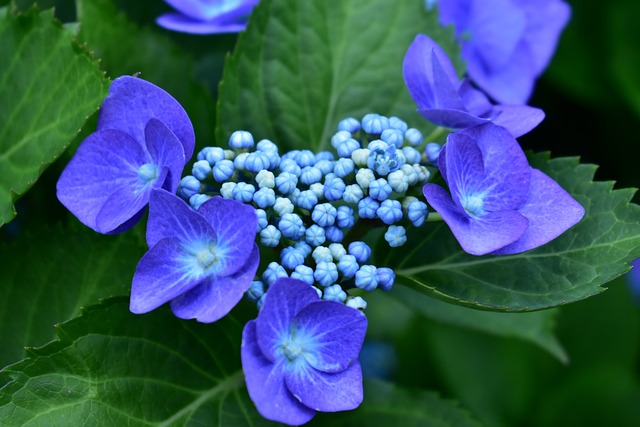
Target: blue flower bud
{"x": 266, "y": 179}
{"x": 291, "y": 226}
{"x": 396, "y": 123}
{"x": 226, "y": 189}
{"x": 386, "y": 277}
{"x": 267, "y": 146}
{"x": 263, "y": 220}
{"x": 314, "y": 235}
{"x": 282, "y": 206}
{"x": 398, "y": 181}
{"x": 360, "y": 250}
{"x": 324, "y": 156}
{"x": 360, "y": 157}
{"x": 305, "y": 158}
{"x": 349, "y": 124}
{"x": 343, "y": 167}
{"x": 432, "y": 150}
{"x": 374, "y": 124}
{"x": 417, "y": 213}
{"x": 348, "y": 266}
{"x": 256, "y": 162}
{"x": 318, "y": 291}
{"x": 367, "y": 278}
{"x": 273, "y": 272}
{"x": 384, "y": 161}
{"x": 326, "y": 273}
{"x": 304, "y": 273}
{"x": 241, "y": 140}
{"x": 255, "y": 291}
{"x": 345, "y": 217}
{"x": 198, "y": 199}
{"x": 423, "y": 173}
{"x": 356, "y": 302}
{"x": 318, "y": 190}
{"x": 413, "y": 137}
{"x": 334, "y": 293}
{"x": 223, "y": 170}
{"x": 310, "y": 175}
{"x": 260, "y": 302}
{"x": 325, "y": 166}
{"x": 239, "y": 161}
{"x": 189, "y": 185}
{"x": 286, "y": 183}
{"x": 274, "y": 159}
{"x": 211, "y": 154}
{"x": 377, "y": 143}
{"x": 379, "y": 189}
{"x": 368, "y": 207}
{"x": 396, "y": 236}
{"x": 411, "y": 155}
{"x": 270, "y": 236}
{"x": 291, "y": 167}
{"x": 324, "y": 214}
{"x": 243, "y": 192}
{"x": 290, "y": 258}
{"x": 345, "y": 148}
{"x": 337, "y": 251}
{"x": 201, "y": 170}
{"x": 303, "y": 247}
{"x": 334, "y": 234}
{"x": 390, "y": 211}
{"x": 264, "y": 197}
{"x": 334, "y": 189}
{"x": 364, "y": 177}
{"x": 340, "y": 137}
{"x": 410, "y": 175}
{"x": 393, "y": 137}
{"x": 322, "y": 254}
{"x": 307, "y": 200}
{"x": 352, "y": 194}
{"x": 228, "y": 155}
{"x": 294, "y": 196}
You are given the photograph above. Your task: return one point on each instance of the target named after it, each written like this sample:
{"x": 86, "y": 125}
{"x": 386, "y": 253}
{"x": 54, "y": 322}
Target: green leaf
{"x": 572, "y": 267}
{"x": 387, "y": 405}
{"x": 116, "y": 368}
{"x": 536, "y": 327}
{"x": 126, "y": 49}
{"x": 47, "y": 276}
{"x": 48, "y": 88}
{"x": 302, "y": 66}
{"x": 625, "y": 58}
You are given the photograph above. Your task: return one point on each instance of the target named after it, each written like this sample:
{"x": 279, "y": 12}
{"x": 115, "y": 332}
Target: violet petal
{"x": 454, "y": 119}
{"x": 185, "y": 24}
{"x": 518, "y": 119}
{"x": 165, "y": 149}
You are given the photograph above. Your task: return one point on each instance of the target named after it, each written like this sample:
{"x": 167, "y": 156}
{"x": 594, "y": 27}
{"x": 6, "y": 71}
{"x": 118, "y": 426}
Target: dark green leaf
{"x": 304, "y": 65}
{"x": 46, "y": 278}
{"x": 572, "y": 267}
{"x": 48, "y": 88}
{"x": 111, "y": 367}
{"x": 536, "y": 327}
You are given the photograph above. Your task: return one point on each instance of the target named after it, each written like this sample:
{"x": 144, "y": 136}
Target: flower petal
{"x": 166, "y": 151}
{"x": 185, "y": 24}
{"x": 235, "y": 226}
{"x": 170, "y": 216}
{"x": 341, "y": 391}
{"x": 215, "y": 297}
{"x": 335, "y": 331}
{"x": 550, "y": 211}
{"x": 266, "y": 386}
{"x": 477, "y": 236}
{"x": 104, "y": 163}
{"x": 518, "y": 119}
{"x": 453, "y": 119}
{"x": 132, "y": 102}
{"x": 161, "y": 275}
{"x": 208, "y": 10}
{"x": 284, "y": 299}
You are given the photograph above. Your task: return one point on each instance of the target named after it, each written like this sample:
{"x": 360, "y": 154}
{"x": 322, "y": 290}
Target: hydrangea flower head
{"x": 207, "y": 16}
{"x": 143, "y": 140}
{"x": 507, "y": 43}
{"x": 202, "y": 261}
{"x": 301, "y": 354}
{"x": 446, "y": 101}
{"x": 498, "y": 203}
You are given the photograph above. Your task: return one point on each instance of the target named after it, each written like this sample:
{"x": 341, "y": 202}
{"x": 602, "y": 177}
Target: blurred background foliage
{"x": 591, "y": 96}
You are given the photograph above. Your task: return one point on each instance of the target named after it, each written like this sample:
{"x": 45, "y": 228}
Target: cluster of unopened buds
{"x": 308, "y": 203}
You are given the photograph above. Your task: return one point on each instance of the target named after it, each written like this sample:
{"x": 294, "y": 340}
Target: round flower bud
{"x": 390, "y": 211}
{"x": 386, "y": 277}
{"x": 393, "y": 137}
{"x": 223, "y": 170}
{"x": 270, "y": 236}
{"x": 315, "y": 235}
{"x": 334, "y": 189}
{"x": 340, "y": 137}
{"x": 211, "y": 155}
{"x": 286, "y": 183}
{"x": 290, "y": 166}
{"x": 348, "y": 266}
{"x": 267, "y": 146}
{"x": 349, "y": 124}
{"x": 197, "y": 200}
{"x": 334, "y": 234}
{"x": 374, "y": 124}
{"x": 318, "y": 190}
{"x": 291, "y": 226}
{"x": 189, "y": 185}
{"x": 379, "y": 189}
{"x": 305, "y": 158}
{"x": 346, "y": 148}
{"x": 345, "y": 217}
{"x": 239, "y": 161}
{"x": 360, "y": 157}
{"x": 326, "y": 273}
{"x": 413, "y": 137}
{"x": 282, "y": 206}
{"x": 334, "y": 293}
{"x": 364, "y": 177}
{"x": 303, "y": 247}
{"x": 310, "y": 175}
{"x": 241, "y": 140}
{"x": 273, "y": 272}
{"x": 256, "y": 162}
{"x": 396, "y": 123}
{"x": 255, "y": 291}
{"x": 367, "y": 278}
{"x": 396, "y": 236}
{"x": 410, "y": 174}
{"x": 360, "y": 250}
{"x": 411, "y": 155}
{"x": 337, "y": 251}
{"x": 325, "y": 166}
{"x": 266, "y": 179}
{"x": 264, "y": 197}
{"x": 290, "y": 258}
{"x": 368, "y": 207}
{"x": 432, "y": 150}
{"x": 343, "y": 167}
{"x": 304, "y": 273}
{"x": 324, "y": 214}
{"x": 322, "y": 254}
{"x": 201, "y": 170}
{"x": 398, "y": 181}
{"x": 417, "y": 213}
{"x": 307, "y": 200}
{"x": 324, "y": 156}
{"x": 356, "y": 302}
{"x": 243, "y": 192}
{"x": 226, "y": 190}
{"x": 352, "y": 193}
{"x": 263, "y": 221}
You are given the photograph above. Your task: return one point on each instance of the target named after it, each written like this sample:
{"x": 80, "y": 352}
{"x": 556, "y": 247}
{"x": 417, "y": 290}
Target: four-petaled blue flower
{"x": 507, "y": 44}
{"x": 143, "y": 140}
{"x": 202, "y": 261}
{"x": 446, "y": 101}
{"x": 301, "y": 354}
{"x": 498, "y": 203}
{"x": 207, "y": 16}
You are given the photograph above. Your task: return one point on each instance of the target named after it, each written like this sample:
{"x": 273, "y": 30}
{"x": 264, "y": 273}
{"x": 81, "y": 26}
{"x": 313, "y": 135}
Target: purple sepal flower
{"x": 301, "y": 354}
{"x": 507, "y": 44}
{"x": 140, "y": 144}
{"x": 498, "y": 203}
{"x": 202, "y": 261}
{"x": 206, "y": 16}
{"x": 446, "y": 101}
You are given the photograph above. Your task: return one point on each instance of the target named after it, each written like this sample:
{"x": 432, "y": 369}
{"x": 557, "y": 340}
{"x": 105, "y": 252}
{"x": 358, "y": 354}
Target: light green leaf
{"x": 304, "y": 65}
{"x": 48, "y": 88}
{"x": 535, "y": 327}
{"x": 572, "y": 267}
{"x": 48, "y": 275}
{"x": 111, "y": 367}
